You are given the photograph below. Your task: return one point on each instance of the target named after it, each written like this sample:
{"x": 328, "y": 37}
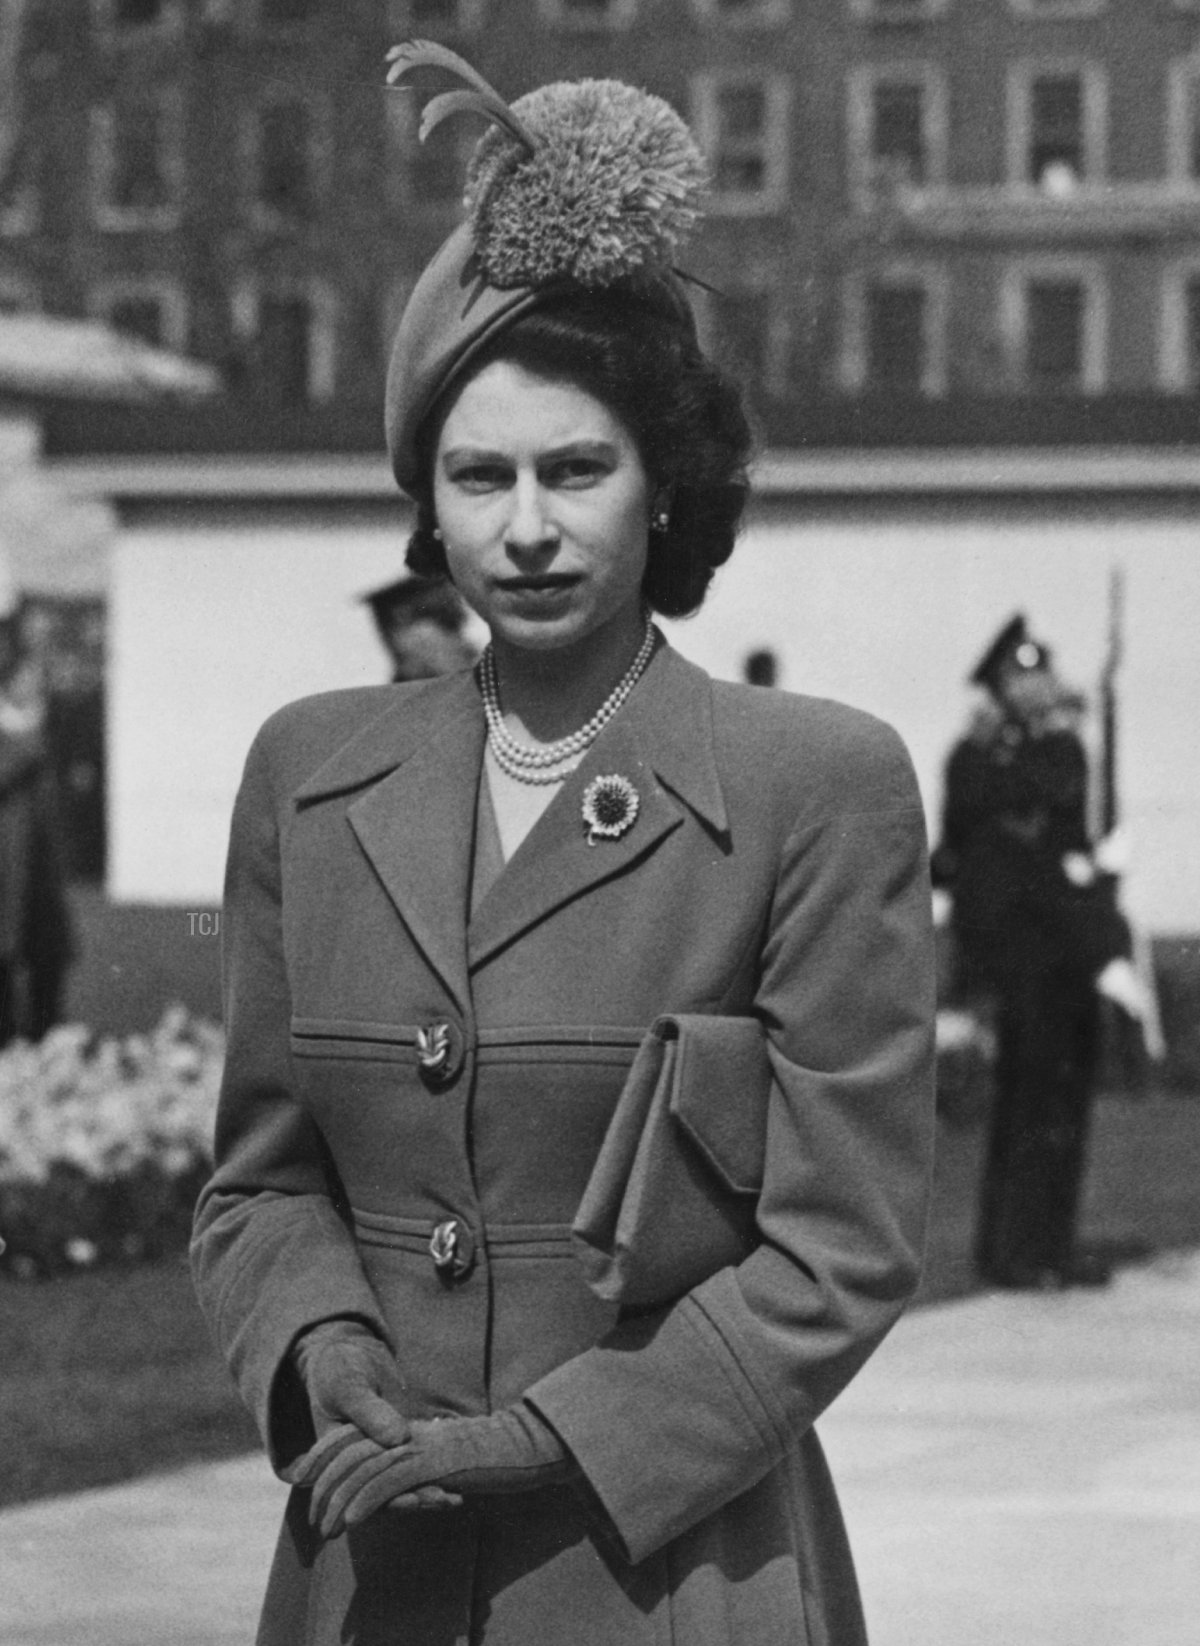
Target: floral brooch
{"x": 610, "y": 807}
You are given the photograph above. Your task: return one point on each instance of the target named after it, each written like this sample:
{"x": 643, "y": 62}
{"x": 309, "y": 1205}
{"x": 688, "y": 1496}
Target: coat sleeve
{"x": 679, "y": 1411}
{"x": 270, "y": 1252}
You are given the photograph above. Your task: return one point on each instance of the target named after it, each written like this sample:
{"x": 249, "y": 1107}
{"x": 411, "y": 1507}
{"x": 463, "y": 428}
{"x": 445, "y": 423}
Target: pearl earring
{"x": 437, "y": 532}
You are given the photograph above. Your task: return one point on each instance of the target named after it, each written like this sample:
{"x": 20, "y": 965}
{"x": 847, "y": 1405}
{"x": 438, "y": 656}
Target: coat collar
{"x": 419, "y": 763}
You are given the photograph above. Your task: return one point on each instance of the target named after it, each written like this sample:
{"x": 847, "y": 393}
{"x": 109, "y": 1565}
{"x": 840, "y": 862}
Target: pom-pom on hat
{"x": 586, "y": 184}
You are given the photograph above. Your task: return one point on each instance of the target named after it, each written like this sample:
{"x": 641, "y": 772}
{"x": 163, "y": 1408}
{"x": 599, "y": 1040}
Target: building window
{"x": 897, "y": 11}
{"x": 896, "y": 323}
{"x": 285, "y": 161}
{"x": 285, "y": 13}
{"x": 894, "y": 331}
{"x": 288, "y": 335}
{"x": 419, "y": 17}
{"x": 590, "y": 14}
{"x": 897, "y": 127}
{"x": 1055, "y": 311}
{"x": 1057, "y": 126}
{"x": 137, "y": 161}
{"x": 284, "y": 348}
{"x": 125, "y": 19}
{"x": 152, "y": 310}
{"x": 742, "y": 123}
{"x": 1055, "y": 322}
{"x": 743, "y": 13}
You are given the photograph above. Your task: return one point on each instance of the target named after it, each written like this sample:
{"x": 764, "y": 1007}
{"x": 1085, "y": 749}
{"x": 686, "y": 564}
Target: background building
{"x": 953, "y": 246}
{"x": 932, "y": 220}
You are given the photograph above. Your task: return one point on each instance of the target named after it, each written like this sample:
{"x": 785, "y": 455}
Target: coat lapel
{"x": 416, "y": 822}
{"x": 662, "y": 741}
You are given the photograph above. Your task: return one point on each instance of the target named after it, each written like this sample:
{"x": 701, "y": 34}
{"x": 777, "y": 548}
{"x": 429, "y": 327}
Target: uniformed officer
{"x": 1038, "y": 937}
{"x": 420, "y": 621}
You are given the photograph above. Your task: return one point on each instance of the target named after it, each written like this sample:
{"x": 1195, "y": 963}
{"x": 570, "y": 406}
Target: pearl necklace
{"x": 530, "y": 765}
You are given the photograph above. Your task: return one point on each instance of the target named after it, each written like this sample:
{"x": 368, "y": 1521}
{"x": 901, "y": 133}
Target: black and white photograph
{"x": 599, "y": 822}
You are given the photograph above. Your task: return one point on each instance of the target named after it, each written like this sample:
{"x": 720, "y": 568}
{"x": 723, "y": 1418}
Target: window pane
{"x": 139, "y": 316}
{"x": 429, "y": 14}
{"x": 895, "y": 336}
{"x": 283, "y": 353}
{"x": 742, "y": 112}
{"x": 1055, "y": 334}
{"x": 1056, "y": 125}
{"x": 899, "y": 131}
{"x": 135, "y": 14}
{"x": 285, "y": 11}
{"x": 741, "y": 173}
{"x": 139, "y": 181}
{"x": 283, "y": 180}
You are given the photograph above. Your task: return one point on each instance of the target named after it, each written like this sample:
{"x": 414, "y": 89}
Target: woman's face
{"x": 543, "y": 504}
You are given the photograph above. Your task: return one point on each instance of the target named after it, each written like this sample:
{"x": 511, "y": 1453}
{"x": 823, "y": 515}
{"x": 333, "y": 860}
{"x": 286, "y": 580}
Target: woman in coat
{"x": 453, "y": 912}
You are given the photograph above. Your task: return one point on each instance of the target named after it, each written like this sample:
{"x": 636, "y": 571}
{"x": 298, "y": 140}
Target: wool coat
{"x": 776, "y": 869}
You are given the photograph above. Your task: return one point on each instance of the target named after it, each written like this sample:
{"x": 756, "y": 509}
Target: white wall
{"x": 212, "y": 628}
{"x": 216, "y": 624}
{"x": 892, "y": 614}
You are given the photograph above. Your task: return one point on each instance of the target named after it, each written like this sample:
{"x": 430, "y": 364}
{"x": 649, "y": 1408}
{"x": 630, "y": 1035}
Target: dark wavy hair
{"x": 686, "y": 417}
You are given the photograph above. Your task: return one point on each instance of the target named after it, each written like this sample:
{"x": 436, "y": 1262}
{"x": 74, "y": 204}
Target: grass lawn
{"x": 109, "y": 1374}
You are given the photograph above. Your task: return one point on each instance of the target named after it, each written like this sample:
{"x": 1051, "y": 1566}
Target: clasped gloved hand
{"x": 350, "y": 1376}
{"x": 509, "y": 1451}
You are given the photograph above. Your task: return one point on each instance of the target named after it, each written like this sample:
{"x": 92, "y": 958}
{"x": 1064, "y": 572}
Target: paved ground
{"x": 1016, "y": 1471}
{"x": 1024, "y": 1470}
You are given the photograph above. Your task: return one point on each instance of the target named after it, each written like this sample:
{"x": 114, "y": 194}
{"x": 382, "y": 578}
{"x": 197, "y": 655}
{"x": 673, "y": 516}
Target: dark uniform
{"x": 1034, "y": 926}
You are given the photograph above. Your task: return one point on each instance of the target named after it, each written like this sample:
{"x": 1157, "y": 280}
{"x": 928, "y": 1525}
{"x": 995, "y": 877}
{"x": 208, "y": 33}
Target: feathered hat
{"x": 580, "y": 185}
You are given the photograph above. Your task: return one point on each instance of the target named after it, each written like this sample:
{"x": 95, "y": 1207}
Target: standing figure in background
{"x": 1038, "y": 937}
{"x": 420, "y": 621}
{"x": 35, "y": 926}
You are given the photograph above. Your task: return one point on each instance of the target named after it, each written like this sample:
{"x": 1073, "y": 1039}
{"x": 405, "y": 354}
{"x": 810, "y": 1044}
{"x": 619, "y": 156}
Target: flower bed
{"x": 104, "y": 1144}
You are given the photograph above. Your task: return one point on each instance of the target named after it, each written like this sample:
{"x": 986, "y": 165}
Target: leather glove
{"x": 509, "y": 1451}
{"x": 339, "y": 1451}
{"x": 350, "y": 1377}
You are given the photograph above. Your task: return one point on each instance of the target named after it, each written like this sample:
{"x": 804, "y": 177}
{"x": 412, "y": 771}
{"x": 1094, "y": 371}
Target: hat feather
{"x": 590, "y": 181}
{"x": 479, "y": 98}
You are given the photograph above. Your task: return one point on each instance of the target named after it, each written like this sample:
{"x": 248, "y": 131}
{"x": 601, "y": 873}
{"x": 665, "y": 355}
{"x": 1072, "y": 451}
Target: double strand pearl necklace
{"x": 530, "y": 765}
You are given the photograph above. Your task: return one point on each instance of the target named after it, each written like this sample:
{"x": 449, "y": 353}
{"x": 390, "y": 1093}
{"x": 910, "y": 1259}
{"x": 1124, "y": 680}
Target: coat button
{"x": 452, "y": 1248}
{"x": 440, "y": 1049}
